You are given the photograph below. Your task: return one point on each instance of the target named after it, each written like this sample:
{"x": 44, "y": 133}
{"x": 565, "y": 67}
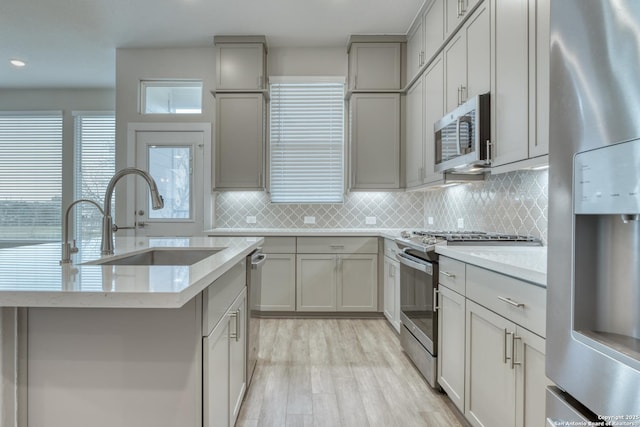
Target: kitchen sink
{"x": 160, "y": 256}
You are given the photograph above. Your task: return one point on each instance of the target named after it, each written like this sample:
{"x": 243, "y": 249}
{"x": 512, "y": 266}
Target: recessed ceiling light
{"x": 18, "y": 63}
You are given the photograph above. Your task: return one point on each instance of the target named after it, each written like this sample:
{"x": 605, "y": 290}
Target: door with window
{"x": 175, "y": 161}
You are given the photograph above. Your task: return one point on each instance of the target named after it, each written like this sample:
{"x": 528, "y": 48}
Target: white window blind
{"x": 95, "y": 161}
{"x": 307, "y": 142}
{"x": 30, "y": 176}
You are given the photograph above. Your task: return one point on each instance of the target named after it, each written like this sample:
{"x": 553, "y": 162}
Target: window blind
{"x": 307, "y": 142}
{"x": 95, "y": 161}
{"x": 30, "y": 176}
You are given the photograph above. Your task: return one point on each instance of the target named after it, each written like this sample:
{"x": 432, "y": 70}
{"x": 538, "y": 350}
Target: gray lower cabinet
{"x": 278, "y": 291}
{"x": 152, "y": 366}
{"x": 490, "y": 356}
{"x": 239, "y": 145}
{"x": 224, "y": 367}
{"x": 375, "y": 141}
{"x": 337, "y": 274}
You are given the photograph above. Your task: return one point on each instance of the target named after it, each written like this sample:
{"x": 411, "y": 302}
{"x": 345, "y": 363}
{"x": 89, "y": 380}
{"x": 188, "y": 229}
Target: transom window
{"x": 306, "y": 140}
{"x": 171, "y": 97}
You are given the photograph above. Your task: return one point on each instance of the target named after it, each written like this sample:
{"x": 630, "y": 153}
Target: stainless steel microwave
{"x": 462, "y": 137}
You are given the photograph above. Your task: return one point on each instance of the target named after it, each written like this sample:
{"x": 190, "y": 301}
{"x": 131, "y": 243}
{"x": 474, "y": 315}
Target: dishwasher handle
{"x": 257, "y": 260}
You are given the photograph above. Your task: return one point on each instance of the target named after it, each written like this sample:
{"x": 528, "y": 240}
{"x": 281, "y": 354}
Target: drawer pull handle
{"x": 336, "y": 246}
{"x": 450, "y": 275}
{"x": 512, "y": 302}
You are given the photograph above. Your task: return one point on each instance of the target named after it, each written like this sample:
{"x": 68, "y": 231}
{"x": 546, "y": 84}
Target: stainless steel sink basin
{"x": 160, "y": 256}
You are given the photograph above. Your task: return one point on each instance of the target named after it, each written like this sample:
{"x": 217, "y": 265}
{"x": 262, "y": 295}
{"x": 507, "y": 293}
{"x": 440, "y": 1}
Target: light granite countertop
{"x": 522, "y": 262}
{"x": 31, "y": 276}
{"x": 528, "y": 263}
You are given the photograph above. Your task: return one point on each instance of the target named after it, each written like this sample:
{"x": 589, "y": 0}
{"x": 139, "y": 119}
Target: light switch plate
{"x": 370, "y": 220}
{"x": 460, "y": 223}
{"x": 251, "y": 220}
{"x": 430, "y": 220}
{"x": 309, "y": 219}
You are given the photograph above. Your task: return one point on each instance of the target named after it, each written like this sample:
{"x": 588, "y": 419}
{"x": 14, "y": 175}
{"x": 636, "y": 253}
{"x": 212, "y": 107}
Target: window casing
{"x": 30, "y": 176}
{"x": 306, "y": 148}
{"x": 94, "y": 165}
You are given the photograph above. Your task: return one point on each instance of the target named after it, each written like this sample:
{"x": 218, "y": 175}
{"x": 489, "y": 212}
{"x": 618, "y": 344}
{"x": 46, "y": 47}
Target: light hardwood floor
{"x": 339, "y": 372}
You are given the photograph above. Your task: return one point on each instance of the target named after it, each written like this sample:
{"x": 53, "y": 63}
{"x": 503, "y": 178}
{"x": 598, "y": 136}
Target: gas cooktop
{"x": 425, "y": 240}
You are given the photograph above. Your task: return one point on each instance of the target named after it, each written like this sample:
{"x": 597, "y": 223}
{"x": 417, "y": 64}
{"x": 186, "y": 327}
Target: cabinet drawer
{"x": 501, "y": 294}
{"x": 337, "y": 245}
{"x": 219, "y": 296}
{"x": 452, "y": 274}
{"x": 390, "y": 248}
{"x": 279, "y": 245}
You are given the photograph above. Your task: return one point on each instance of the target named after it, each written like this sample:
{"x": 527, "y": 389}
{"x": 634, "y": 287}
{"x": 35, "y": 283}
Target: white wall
{"x": 67, "y": 100}
{"x": 307, "y": 61}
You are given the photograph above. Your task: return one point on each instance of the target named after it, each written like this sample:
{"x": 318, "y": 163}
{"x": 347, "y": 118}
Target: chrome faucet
{"x": 67, "y": 249}
{"x": 107, "y": 220}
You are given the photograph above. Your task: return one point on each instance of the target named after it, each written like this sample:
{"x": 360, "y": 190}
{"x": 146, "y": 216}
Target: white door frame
{"x": 205, "y": 128}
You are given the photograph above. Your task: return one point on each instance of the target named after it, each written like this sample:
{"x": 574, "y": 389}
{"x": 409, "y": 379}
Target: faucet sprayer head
{"x": 157, "y": 202}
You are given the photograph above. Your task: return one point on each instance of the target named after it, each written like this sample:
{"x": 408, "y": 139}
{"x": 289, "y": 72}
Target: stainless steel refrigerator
{"x": 593, "y": 294}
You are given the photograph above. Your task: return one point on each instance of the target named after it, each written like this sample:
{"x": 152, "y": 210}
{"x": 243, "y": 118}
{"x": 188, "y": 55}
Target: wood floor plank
{"x": 325, "y": 410}
{"x": 339, "y": 372}
{"x": 352, "y": 412}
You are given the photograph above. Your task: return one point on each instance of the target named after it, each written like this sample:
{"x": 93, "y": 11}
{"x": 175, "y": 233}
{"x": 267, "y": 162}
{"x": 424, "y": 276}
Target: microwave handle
{"x": 466, "y": 120}
{"x": 458, "y": 151}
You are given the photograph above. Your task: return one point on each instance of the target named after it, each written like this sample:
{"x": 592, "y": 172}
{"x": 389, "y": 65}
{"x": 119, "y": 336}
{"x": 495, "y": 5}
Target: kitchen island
{"x": 124, "y": 345}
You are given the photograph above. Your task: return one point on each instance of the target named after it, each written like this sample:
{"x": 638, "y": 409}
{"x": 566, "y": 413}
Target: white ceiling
{"x": 72, "y": 43}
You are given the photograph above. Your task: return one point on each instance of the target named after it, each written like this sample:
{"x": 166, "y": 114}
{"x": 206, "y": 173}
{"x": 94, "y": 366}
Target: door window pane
{"x": 170, "y": 167}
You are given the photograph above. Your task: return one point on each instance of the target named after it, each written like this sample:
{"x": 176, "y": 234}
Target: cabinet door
{"x": 240, "y": 66}
{"x": 539, "y": 80}
{"x": 239, "y": 141}
{"x": 433, "y": 28}
{"x": 215, "y": 374}
{"x": 415, "y": 49}
{"x": 414, "y": 167}
{"x": 279, "y": 283}
{"x": 451, "y": 341}
{"x": 454, "y": 15}
{"x": 455, "y": 63}
{"x": 374, "y": 66}
{"x": 531, "y": 381}
{"x": 237, "y": 356}
{"x": 490, "y": 382}
{"x": 510, "y": 134}
{"x": 433, "y": 111}
{"x": 316, "y": 282}
{"x": 375, "y": 141}
{"x": 357, "y": 285}
{"x": 478, "y": 46}
{"x": 392, "y": 292}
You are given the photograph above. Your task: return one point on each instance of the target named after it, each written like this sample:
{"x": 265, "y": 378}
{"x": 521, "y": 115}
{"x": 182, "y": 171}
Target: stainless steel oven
{"x": 418, "y": 334}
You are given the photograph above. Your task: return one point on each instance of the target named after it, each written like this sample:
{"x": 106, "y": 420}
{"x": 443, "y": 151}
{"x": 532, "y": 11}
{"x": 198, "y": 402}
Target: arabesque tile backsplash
{"x": 514, "y": 202}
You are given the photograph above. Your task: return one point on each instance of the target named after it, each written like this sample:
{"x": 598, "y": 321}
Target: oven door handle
{"x": 424, "y": 266}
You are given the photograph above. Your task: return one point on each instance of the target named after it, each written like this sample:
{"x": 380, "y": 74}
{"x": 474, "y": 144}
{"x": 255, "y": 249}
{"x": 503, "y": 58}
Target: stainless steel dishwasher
{"x": 254, "y": 283}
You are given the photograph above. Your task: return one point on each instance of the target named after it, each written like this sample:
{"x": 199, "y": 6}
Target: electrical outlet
{"x": 370, "y": 220}
{"x": 309, "y": 219}
{"x": 460, "y": 223}
{"x": 251, "y": 220}
{"x": 430, "y": 220}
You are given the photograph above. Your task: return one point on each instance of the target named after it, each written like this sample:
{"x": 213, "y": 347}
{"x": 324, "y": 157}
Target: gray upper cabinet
{"x": 455, "y": 12}
{"x": 415, "y": 49}
{"x": 375, "y": 141}
{"x": 240, "y": 64}
{"x": 374, "y": 66}
{"x": 239, "y": 158}
{"x": 433, "y": 28}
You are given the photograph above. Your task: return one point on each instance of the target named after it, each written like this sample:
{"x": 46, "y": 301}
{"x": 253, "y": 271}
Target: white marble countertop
{"x": 526, "y": 263}
{"x": 31, "y": 276}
